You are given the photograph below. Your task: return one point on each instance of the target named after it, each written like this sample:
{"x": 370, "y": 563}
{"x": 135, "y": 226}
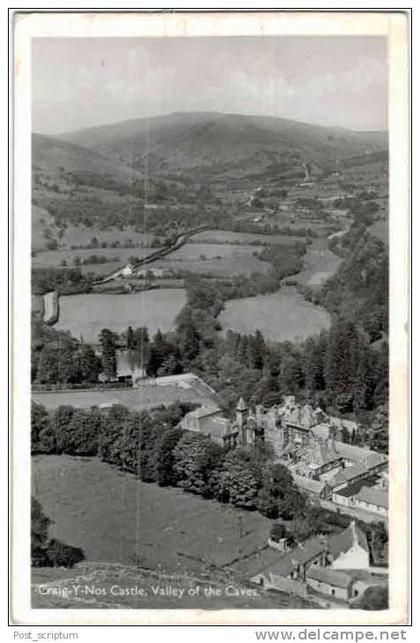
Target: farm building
{"x": 349, "y": 549}
{"x": 372, "y": 499}
{"x": 326, "y": 565}
{"x": 127, "y": 271}
{"x": 331, "y": 582}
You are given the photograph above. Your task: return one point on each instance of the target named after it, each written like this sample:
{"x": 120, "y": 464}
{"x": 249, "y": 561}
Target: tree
{"x": 39, "y": 524}
{"x": 160, "y": 351}
{"x": 238, "y": 479}
{"x": 374, "y": 598}
{"x": 60, "y": 421}
{"x": 109, "y": 355}
{"x": 81, "y": 435}
{"x": 42, "y": 433}
{"x": 130, "y": 338}
{"x": 278, "y": 494}
{"x": 170, "y": 366}
{"x": 291, "y": 376}
{"x": 39, "y": 422}
{"x": 189, "y": 341}
{"x": 165, "y": 456}
{"x": 86, "y": 365}
{"x": 257, "y": 350}
{"x": 195, "y": 458}
{"x": 47, "y": 372}
{"x": 47, "y": 552}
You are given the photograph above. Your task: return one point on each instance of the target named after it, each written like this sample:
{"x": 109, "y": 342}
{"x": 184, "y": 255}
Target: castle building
{"x": 309, "y": 443}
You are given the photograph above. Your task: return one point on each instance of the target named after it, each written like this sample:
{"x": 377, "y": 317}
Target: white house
{"x": 127, "y": 271}
{"x": 349, "y": 549}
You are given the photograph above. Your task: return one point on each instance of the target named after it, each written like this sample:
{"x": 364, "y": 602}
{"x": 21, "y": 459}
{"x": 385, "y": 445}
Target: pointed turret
{"x": 241, "y": 410}
{"x": 241, "y": 405}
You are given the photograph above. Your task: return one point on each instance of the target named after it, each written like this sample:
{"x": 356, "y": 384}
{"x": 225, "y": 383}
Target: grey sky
{"x": 80, "y": 82}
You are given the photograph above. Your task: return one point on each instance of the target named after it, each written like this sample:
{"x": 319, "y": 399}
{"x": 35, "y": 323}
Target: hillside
{"x": 51, "y": 155}
{"x": 187, "y": 140}
{"x": 228, "y": 171}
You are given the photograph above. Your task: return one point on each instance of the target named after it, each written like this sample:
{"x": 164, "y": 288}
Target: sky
{"x": 334, "y": 81}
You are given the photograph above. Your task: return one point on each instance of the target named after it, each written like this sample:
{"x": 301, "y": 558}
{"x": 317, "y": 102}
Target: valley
{"x": 200, "y": 260}
{"x": 252, "y": 183}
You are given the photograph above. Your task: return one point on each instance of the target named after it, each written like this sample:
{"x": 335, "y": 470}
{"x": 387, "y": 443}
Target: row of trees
{"x": 151, "y": 445}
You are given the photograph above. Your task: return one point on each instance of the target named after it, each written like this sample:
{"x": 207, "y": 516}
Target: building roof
{"x": 348, "y": 474}
{"x": 329, "y": 576}
{"x": 301, "y": 416}
{"x": 308, "y": 550}
{"x": 217, "y": 426}
{"x": 314, "y": 546}
{"x": 204, "y": 411}
{"x": 352, "y": 489}
{"x": 301, "y": 554}
{"x": 373, "y": 496}
{"x": 359, "y": 454}
{"x": 322, "y": 430}
{"x": 340, "y": 543}
{"x": 308, "y": 484}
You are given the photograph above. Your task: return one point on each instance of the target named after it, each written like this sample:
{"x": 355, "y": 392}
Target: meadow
{"x": 79, "y": 236}
{"x": 113, "y": 516}
{"x": 228, "y": 236}
{"x": 218, "y": 260}
{"x": 135, "y": 534}
{"x": 136, "y": 399}
{"x": 281, "y": 316}
{"x": 87, "y": 314}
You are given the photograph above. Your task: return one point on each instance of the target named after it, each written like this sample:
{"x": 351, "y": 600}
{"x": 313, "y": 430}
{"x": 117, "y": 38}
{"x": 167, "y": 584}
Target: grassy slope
{"x": 110, "y": 514}
{"x": 50, "y": 154}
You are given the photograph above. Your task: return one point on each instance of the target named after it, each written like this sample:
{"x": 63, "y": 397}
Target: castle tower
{"x": 241, "y": 410}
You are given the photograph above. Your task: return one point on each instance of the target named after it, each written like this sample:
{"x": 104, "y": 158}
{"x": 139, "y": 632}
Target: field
{"x": 111, "y": 515}
{"x": 319, "y": 264}
{"x": 79, "y": 236}
{"x": 281, "y": 316}
{"x": 227, "y": 236}
{"x": 116, "y": 519}
{"x": 219, "y": 260}
{"x": 87, "y": 314}
{"x": 190, "y": 389}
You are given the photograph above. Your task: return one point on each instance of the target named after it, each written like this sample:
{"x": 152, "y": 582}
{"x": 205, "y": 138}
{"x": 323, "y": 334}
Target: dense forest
{"x": 359, "y": 290}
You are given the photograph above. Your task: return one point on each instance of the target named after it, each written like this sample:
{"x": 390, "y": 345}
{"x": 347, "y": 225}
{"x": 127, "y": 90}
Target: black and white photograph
{"x": 210, "y": 381}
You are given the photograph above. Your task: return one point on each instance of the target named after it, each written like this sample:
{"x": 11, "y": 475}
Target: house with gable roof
{"x": 326, "y": 565}
{"x": 349, "y": 549}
